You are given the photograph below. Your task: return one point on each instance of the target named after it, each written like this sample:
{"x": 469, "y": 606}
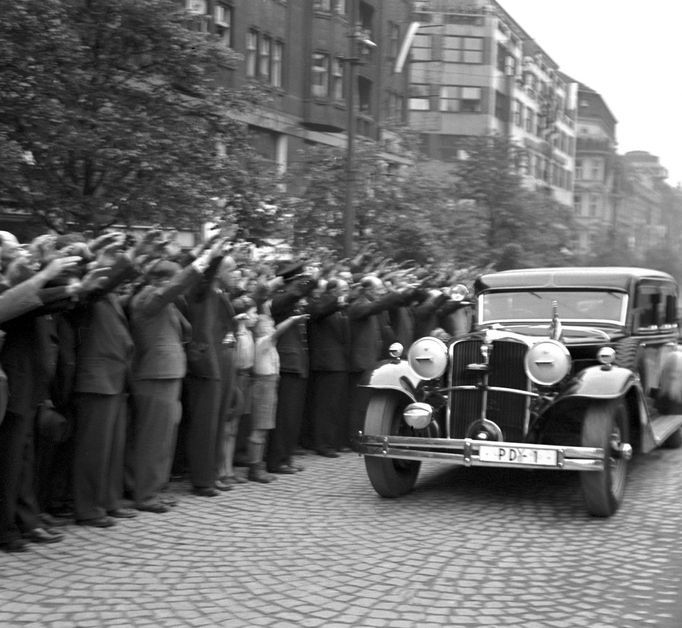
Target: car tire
{"x": 605, "y": 425}
{"x": 390, "y": 477}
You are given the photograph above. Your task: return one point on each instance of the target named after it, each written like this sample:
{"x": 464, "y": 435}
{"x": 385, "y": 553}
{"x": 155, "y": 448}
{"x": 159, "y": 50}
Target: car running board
{"x": 661, "y": 428}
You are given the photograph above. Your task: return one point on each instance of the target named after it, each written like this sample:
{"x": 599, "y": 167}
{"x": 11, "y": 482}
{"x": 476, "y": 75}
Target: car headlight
{"x": 418, "y": 415}
{"x": 547, "y": 362}
{"x": 428, "y": 357}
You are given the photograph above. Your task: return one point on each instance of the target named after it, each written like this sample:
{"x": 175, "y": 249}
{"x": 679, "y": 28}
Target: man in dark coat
{"x": 292, "y": 346}
{"x": 104, "y": 350}
{"x": 329, "y": 341}
{"x": 370, "y": 332}
{"x": 210, "y": 381}
{"x": 25, "y": 357}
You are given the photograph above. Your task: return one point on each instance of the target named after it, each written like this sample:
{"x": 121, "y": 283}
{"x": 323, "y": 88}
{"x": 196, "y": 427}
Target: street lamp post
{"x": 349, "y": 209}
{"x": 359, "y": 44}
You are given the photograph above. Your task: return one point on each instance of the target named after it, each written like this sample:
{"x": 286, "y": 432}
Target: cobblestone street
{"x": 467, "y": 548}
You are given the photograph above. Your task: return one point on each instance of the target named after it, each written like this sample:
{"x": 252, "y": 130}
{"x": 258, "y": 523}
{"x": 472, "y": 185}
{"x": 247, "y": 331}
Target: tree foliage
{"x": 113, "y": 114}
{"x": 471, "y": 213}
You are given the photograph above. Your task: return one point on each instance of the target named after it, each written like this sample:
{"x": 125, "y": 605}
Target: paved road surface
{"x": 469, "y": 547}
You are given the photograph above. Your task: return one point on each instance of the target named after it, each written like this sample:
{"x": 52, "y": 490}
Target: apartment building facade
{"x": 597, "y": 172}
{"x": 475, "y": 71}
{"x": 307, "y": 52}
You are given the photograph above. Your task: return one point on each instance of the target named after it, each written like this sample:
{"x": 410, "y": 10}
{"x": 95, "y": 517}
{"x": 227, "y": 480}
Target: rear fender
{"x": 394, "y": 375}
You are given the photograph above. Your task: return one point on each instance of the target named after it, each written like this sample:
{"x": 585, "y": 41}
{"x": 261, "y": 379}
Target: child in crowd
{"x": 264, "y": 389}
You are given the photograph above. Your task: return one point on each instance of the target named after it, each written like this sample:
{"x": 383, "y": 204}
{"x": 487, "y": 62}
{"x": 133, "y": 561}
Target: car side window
{"x": 646, "y": 307}
{"x": 655, "y": 307}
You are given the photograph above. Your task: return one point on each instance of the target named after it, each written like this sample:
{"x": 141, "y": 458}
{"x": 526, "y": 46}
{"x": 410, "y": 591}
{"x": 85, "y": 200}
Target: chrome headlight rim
{"x": 428, "y": 357}
{"x": 552, "y": 353}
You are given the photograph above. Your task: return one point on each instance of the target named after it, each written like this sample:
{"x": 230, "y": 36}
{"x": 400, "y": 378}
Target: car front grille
{"x": 508, "y": 410}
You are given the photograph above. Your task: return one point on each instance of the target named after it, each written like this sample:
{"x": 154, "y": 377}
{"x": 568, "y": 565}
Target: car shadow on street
{"x": 504, "y": 488}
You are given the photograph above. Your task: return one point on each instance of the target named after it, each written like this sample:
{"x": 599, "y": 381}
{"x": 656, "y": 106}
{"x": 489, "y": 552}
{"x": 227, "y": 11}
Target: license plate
{"x": 518, "y": 455}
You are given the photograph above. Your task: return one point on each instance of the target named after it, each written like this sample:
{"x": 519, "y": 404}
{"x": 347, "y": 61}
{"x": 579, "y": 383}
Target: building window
{"x": 339, "y": 6}
{"x": 393, "y": 40}
{"x": 364, "y": 94}
{"x": 501, "y": 106}
{"x": 320, "y": 79}
{"x": 518, "y": 113}
{"x": 276, "y": 70}
{"x": 251, "y": 53}
{"x": 222, "y": 18}
{"x": 337, "y": 79}
{"x": 594, "y": 205}
{"x": 419, "y": 97}
{"x": 322, "y": 5}
{"x": 421, "y": 48}
{"x": 595, "y": 171}
{"x": 578, "y": 169}
{"x": 460, "y": 99}
{"x": 501, "y": 57}
{"x": 463, "y": 49}
{"x": 264, "y": 57}
{"x": 530, "y": 120}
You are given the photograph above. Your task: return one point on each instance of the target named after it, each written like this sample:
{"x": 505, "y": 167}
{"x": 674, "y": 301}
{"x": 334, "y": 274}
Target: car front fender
{"x": 599, "y": 382}
{"x": 394, "y": 375}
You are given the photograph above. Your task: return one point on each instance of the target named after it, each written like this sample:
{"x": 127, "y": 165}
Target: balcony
{"x": 594, "y": 145}
{"x": 322, "y": 115}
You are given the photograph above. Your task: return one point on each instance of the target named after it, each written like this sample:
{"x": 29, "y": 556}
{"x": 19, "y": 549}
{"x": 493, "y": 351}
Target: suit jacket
{"x": 328, "y": 335}
{"x": 19, "y": 299}
{"x": 102, "y": 346}
{"x": 28, "y": 354}
{"x": 292, "y": 345}
{"x": 369, "y": 329}
{"x": 211, "y": 316}
{"x": 159, "y": 330}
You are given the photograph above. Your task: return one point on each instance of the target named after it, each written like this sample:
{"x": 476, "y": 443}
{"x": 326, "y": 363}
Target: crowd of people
{"x": 127, "y": 360}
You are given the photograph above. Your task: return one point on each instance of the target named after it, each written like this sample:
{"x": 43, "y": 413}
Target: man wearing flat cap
{"x": 292, "y": 346}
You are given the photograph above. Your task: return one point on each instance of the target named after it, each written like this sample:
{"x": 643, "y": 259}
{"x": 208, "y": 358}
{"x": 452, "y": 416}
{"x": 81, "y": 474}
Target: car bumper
{"x": 467, "y": 452}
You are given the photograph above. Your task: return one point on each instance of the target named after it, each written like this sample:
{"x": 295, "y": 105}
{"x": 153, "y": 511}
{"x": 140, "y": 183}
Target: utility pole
{"x": 351, "y": 61}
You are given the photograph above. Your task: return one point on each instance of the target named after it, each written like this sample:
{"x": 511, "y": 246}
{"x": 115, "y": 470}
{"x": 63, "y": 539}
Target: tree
{"x": 115, "y": 115}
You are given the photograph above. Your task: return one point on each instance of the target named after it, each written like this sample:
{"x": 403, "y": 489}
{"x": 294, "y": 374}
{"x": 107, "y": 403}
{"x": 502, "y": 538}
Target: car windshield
{"x": 592, "y": 306}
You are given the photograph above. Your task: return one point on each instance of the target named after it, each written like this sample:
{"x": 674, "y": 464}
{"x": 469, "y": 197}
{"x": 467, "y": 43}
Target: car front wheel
{"x": 390, "y": 477}
{"x": 606, "y": 426}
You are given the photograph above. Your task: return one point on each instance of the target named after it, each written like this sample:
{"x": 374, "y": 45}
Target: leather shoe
{"x": 122, "y": 513}
{"x": 222, "y": 486}
{"x": 15, "y": 545}
{"x": 52, "y": 522}
{"x": 206, "y": 491}
{"x": 97, "y": 522}
{"x": 233, "y": 479}
{"x": 327, "y": 453}
{"x": 284, "y": 469}
{"x": 156, "y": 507}
{"x": 41, "y": 535}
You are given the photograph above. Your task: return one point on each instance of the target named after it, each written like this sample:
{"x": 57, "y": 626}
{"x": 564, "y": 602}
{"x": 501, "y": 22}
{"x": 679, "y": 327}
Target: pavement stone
{"x": 469, "y": 547}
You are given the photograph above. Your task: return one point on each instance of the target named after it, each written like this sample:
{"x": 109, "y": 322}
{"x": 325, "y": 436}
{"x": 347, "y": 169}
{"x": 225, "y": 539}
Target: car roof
{"x": 608, "y": 277}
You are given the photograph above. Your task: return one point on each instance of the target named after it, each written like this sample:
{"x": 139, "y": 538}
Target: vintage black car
{"x": 570, "y": 369}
